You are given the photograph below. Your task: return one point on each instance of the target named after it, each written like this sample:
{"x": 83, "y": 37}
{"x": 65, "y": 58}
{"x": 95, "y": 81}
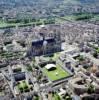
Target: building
{"x": 50, "y": 66}
{"x": 46, "y": 45}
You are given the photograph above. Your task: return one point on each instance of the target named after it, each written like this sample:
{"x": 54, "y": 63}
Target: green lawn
{"x": 56, "y": 74}
{"x": 22, "y": 86}
{"x": 29, "y": 68}
{"x": 56, "y": 56}
{"x": 69, "y": 17}
{"x": 10, "y": 54}
{"x": 56, "y": 97}
{"x": 5, "y": 24}
{"x": 95, "y": 18}
{"x": 2, "y": 93}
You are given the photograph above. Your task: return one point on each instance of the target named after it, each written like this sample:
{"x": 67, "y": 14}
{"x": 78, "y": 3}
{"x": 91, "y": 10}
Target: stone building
{"x": 45, "y": 45}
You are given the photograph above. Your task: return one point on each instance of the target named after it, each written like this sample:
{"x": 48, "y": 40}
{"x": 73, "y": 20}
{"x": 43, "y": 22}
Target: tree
{"x": 26, "y": 21}
{"x": 91, "y": 89}
{"x": 95, "y": 54}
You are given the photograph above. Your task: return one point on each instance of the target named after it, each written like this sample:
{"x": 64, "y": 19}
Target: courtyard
{"x": 56, "y": 74}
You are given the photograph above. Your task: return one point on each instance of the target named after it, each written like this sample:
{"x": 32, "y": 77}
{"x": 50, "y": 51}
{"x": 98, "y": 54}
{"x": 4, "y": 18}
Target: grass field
{"x": 40, "y": 22}
{"x": 22, "y": 84}
{"x": 56, "y": 74}
{"x": 4, "y": 24}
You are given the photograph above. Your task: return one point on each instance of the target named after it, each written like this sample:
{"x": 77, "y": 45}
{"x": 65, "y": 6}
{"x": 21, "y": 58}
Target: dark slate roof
{"x": 20, "y": 76}
{"x": 40, "y": 42}
{"x": 50, "y": 40}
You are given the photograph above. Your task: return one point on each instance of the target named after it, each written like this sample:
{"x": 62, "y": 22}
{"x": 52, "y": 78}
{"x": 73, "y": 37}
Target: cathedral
{"x": 46, "y": 45}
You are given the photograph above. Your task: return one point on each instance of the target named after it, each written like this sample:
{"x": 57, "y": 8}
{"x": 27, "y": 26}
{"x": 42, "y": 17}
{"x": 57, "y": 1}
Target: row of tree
{"x": 27, "y": 20}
